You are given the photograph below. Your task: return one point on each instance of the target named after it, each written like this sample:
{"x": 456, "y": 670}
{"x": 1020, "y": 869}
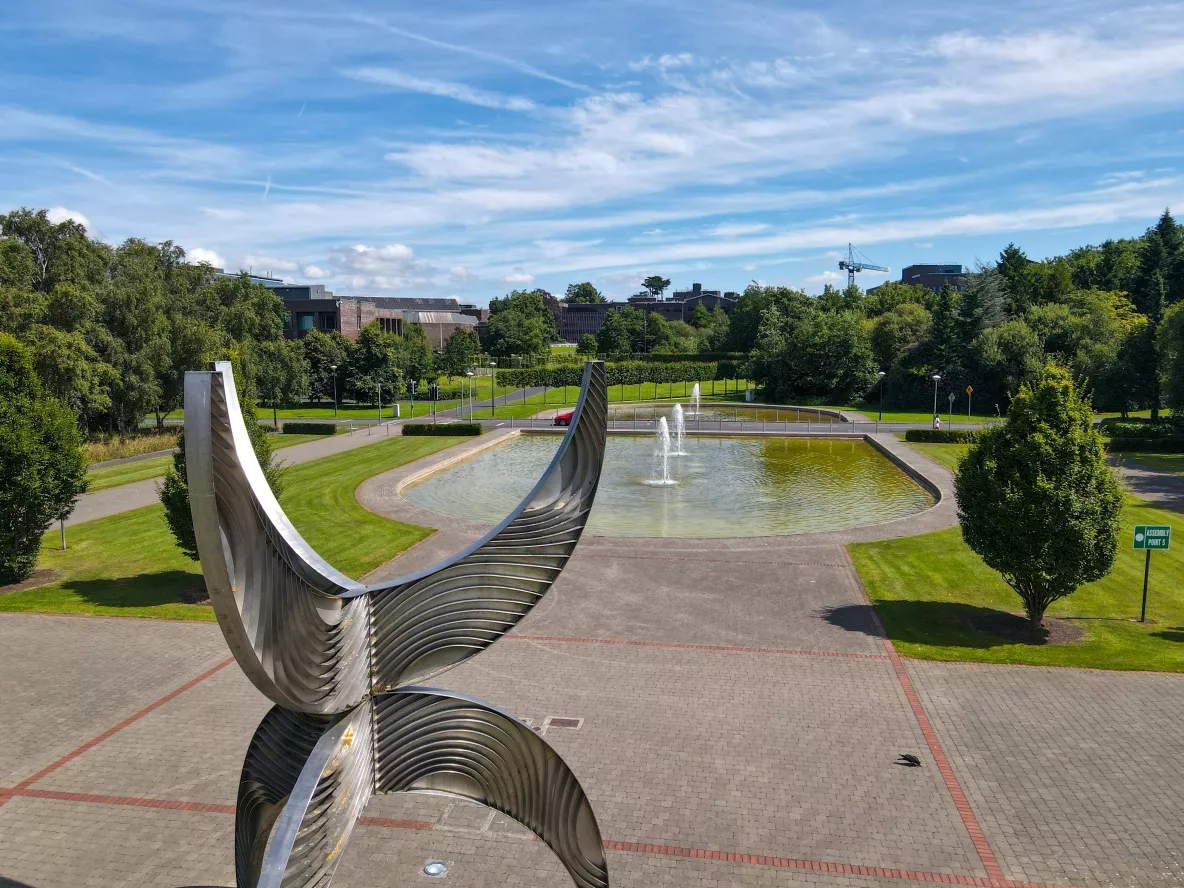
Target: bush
{"x": 443, "y": 429}
{"x": 1115, "y": 427}
{"x": 309, "y": 428}
{"x": 622, "y": 373}
{"x": 942, "y": 436}
{"x": 40, "y": 462}
{"x": 1172, "y": 444}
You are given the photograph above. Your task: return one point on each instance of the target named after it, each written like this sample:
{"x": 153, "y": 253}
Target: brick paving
{"x": 738, "y": 724}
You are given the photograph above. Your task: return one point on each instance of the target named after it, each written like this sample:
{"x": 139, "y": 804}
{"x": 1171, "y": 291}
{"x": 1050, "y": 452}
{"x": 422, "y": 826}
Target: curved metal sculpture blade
{"x": 312, "y": 641}
{"x": 438, "y": 741}
{"x": 282, "y": 608}
{"x": 430, "y": 621}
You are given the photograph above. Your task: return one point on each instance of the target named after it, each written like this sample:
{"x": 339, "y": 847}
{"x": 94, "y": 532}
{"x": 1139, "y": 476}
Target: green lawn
{"x": 930, "y": 591}
{"x": 129, "y": 565}
{"x": 113, "y": 476}
{"x": 946, "y": 454}
{"x": 1164, "y": 462}
{"x": 646, "y": 392}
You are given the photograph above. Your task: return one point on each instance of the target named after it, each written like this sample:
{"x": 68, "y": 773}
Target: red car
{"x": 563, "y": 419}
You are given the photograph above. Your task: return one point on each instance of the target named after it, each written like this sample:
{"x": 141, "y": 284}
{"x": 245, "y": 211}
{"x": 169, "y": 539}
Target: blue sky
{"x": 469, "y": 148}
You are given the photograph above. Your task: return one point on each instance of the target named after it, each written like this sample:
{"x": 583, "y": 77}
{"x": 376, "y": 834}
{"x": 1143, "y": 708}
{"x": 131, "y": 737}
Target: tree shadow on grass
{"x": 1172, "y": 633}
{"x": 143, "y": 590}
{"x": 939, "y": 623}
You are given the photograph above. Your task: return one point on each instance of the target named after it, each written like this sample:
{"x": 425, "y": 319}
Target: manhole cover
{"x": 565, "y": 722}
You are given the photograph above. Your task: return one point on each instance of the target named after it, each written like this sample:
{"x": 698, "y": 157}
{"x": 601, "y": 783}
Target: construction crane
{"x": 853, "y": 265}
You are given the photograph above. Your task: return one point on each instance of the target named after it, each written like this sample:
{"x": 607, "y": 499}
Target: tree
{"x": 71, "y": 371}
{"x": 1014, "y": 266}
{"x": 415, "y": 354}
{"x": 587, "y": 345}
{"x": 1004, "y": 359}
{"x": 897, "y": 333}
{"x": 585, "y": 293}
{"x": 1036, "y": 497}
{"x": 820, "y": 355}
{"x": 174, "y": 492}
{"x": 40, "y": 462}
{"x": 748, "y": 314}
{"x": 521, "y": 324}
{"x": 614, "y": 338}
{"x": 1172, "y": 344}
{"x": 281, "y": 375}
{"x": 374, "y": 366}
{"x": 460, "y": 352}
{"x": 656, "y": 285}
{"x": 681, "y": 338}
{"x": 323, "y": 352}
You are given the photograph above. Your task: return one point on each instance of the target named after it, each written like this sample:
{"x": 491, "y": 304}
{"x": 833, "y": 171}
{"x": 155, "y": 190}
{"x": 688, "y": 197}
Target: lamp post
{"x": 492, "y": 389}
{"x": 469, "y": 374}
{"x": 333, "y": 367}
{"x": 881, "y": 375}
{"x": 936, "y": 380}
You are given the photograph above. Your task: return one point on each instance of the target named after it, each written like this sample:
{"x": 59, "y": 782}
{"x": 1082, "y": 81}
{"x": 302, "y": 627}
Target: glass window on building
{"x": 328, "y": 320}
{"x": 287, "y": 320}
{"x": 306, "y": 320}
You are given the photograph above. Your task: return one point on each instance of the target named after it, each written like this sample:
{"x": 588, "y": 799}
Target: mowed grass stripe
{"x": 932, "y": 592}
{"x": 129, "y": 564}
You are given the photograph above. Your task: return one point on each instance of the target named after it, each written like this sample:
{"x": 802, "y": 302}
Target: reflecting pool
{"x": 726, "y": 487}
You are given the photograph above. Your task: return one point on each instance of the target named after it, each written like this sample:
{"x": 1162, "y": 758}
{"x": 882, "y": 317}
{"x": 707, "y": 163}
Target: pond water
{"x": 726, "y": 487}
{"x": 710, "y": 413}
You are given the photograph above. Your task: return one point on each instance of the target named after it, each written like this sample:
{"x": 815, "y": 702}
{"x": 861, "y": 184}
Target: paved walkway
{"x": 125, "y": 497}
{"x": 1164, "y": 489}
{"x": 740, "y": 718}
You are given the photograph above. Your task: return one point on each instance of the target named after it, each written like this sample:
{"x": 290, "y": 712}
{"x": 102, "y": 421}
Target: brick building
{"x": 312, "y": 307}
{"x": 932, "y": 277}
{"x": 583, "y": 319}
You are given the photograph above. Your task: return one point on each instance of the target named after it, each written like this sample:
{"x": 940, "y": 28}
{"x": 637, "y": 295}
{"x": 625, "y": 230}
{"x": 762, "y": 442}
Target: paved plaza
{"x": 739, "y": 719}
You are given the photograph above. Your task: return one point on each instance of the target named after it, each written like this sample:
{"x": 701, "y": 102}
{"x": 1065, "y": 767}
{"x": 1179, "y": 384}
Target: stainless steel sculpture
{"x": 338, "y": 658}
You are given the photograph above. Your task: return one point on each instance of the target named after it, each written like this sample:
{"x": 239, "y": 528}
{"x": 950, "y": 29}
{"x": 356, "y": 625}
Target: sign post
{"x": 1148, "y": 537}
{"x": 952, "y": 396}
{"x": 969, "y": 392}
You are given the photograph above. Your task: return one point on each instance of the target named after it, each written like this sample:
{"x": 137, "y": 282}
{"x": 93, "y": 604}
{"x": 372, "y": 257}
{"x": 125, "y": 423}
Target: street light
{"x": 936, "y": 380}
{"x": 492, "y": 389}
{"x": 881, "y": 374}
{"x": 469, "y": 374}
{"x": 333, "y": 367}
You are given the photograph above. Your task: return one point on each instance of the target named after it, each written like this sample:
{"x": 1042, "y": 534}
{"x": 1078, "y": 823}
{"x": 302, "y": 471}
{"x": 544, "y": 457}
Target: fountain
{"x": 694, "y": 411}
{"x": 662, "y": 457}
{"x": 679, "y": 431}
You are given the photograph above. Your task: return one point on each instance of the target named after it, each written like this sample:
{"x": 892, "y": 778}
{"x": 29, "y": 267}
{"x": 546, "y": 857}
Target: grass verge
{"x": 1163, "y": 462}
{"x": 946, "y": 454}
{"x": 129, "y": 565}
{"x": 933, "y": 595}
{"x": 617, "y": 394}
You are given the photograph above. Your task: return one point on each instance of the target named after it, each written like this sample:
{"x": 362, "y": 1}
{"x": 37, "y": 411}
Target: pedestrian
{"x": 936, "y": 422}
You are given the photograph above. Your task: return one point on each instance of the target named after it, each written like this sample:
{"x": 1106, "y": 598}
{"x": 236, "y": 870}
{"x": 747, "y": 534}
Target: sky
{"x": 470, "y": 148}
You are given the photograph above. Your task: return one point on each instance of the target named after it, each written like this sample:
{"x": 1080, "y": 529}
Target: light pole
{"x": 469, "y": 374}
{"x": 936, "y": 380}
{"x": 492, "y": 389}
{"x": 881, "y": 375}
{"x": 414, "y": 383}
{"x": 333, "y": 367}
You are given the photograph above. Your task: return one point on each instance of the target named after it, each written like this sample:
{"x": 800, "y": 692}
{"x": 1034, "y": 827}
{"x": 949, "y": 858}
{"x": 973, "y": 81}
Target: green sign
{"x": 1153, "y": 536}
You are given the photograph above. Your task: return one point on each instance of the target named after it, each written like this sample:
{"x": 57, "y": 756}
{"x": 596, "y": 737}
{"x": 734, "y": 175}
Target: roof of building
{"x": 438, "y": 317}
{"x": 412, "y": 303}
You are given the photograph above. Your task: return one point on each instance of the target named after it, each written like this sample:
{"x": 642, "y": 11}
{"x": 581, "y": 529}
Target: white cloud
{"x": 315, "y": 272}
{"x": 389, "y": 267}
{"x": 519, "y": 277}
{"x": 749, "y": 268}
{"x": 460, "y": 92}
{"x": 58, "y": 215}
{"x": 818, "y": 281}
{"x": 737, "y": 229}
{"x": 458, "y": 274}
{"x": 270, "y": 265}
{"x": 200, "y": 254}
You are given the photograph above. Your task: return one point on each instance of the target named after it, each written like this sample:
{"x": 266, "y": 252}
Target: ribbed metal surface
{"x": 280, "y": 605}
{"x": 318, "y": 644}
{"x": 428, "y": 622}
{"x": 443, "y": 742}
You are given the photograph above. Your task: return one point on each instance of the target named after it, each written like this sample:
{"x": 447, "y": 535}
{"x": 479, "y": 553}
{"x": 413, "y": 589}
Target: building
{"x": 932, "y": 277}
{"x": 312, "y": 307}
{"x": 582, "y": 319}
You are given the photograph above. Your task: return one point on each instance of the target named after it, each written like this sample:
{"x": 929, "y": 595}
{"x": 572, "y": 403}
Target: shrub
{"x": 1171, "y": 444}
{"x": 942, "y": 436}
{"x": 622, "y": 373}
{"x": 40, "y": 462}
{"x": 1036, "y": 497}
{"x": 309, "y": 428}
{"x": 444, "y": 429}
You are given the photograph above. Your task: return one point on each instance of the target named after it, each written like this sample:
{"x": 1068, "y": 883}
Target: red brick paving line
{"x": 610, "y": 845}
{"x": 686, "y": 646}
{"x": 985, "y": 854}
{"x": 151, "y": 707}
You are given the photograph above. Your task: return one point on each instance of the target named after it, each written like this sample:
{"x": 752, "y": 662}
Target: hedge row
{"x": 444, "y": 429}
{"x": 621, "y": 373}
{"x": 309, "y": 428}
{"x": 1174, "y": 444}
{"x": 941, "y": 436}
